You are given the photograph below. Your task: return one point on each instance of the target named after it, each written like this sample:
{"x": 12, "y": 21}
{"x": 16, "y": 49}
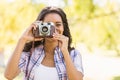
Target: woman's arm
{"x": 12, "y": 69}
{"x": 72, "y": 72}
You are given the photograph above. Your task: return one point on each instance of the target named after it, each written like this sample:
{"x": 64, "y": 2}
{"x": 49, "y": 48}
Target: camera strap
{"x": 32, "y": 49}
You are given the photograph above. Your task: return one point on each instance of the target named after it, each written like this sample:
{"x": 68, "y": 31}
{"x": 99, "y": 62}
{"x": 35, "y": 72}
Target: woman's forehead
{"x": 53, "y": 17}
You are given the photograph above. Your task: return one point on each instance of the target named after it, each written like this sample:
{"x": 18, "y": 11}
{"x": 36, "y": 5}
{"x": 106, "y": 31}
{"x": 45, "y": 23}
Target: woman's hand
{"x": 63, "y": 41}
{"x": 28, "y": 35}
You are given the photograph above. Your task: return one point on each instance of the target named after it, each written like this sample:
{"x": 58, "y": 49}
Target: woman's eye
{"x": 58, "y": 25}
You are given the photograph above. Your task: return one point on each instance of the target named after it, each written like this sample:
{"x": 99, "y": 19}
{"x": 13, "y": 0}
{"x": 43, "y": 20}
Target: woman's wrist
{"x": 65, "y": 52}
{"x": 22, "y": 40}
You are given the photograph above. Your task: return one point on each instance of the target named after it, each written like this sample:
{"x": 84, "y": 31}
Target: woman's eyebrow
{"x": 58, "y": 22}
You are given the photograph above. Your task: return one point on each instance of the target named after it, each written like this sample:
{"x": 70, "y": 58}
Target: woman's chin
{"x": 51, "y": 39}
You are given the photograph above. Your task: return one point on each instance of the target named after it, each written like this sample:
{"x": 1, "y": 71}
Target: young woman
{"x": 51, "y": 58}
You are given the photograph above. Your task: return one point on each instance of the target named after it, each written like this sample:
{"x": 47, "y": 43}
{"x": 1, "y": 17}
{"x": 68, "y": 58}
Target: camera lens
{"x": 44, "y": 29}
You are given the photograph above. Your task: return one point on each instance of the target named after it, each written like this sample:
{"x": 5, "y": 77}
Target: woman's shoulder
{"x": 75, "y": 51}
{"x": 75, "y": 55}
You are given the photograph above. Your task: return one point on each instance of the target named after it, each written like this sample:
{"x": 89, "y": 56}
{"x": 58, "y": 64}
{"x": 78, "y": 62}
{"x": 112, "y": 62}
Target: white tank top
{"x": 45, "y": 73}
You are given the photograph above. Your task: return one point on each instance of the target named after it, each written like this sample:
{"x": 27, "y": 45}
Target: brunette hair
{"x": 41, "y": 17}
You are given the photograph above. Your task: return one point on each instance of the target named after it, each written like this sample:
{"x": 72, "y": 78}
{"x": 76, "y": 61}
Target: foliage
{"x": 15, "y": 17}
{"x": 90, "y": 24}
{"x": 94, "y": 25}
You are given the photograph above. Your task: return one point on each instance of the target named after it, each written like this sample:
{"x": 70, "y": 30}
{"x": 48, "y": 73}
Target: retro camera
{"x": 44, "y": 29}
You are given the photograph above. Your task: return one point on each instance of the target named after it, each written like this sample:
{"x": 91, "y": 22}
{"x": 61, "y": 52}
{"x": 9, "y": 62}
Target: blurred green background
{"x": 94, "y": 24}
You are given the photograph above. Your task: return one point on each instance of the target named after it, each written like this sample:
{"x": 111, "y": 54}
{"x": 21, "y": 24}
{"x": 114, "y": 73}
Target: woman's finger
{"x": 38, "y": 39}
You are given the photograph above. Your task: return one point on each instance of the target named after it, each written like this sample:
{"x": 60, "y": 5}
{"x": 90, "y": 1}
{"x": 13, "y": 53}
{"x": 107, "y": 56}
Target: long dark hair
{"x": 41, "y": 17}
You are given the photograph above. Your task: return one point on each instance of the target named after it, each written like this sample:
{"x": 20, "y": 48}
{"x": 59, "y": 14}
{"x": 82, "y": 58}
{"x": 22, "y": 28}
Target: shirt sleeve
{"x": 77, "y": 59}
{"x": 23, "y": 61}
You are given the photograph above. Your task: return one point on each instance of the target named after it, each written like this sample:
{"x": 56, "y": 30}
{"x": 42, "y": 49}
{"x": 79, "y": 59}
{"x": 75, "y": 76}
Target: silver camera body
{"x": 44, "y": 29}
